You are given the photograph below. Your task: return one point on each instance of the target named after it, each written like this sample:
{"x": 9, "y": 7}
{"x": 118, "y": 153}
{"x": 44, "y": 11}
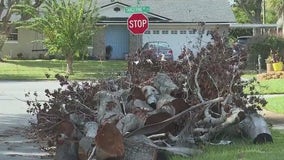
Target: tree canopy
{"x": 252, "y": 11}
{"x": 277, "y": 5}
{"x": 251, "y": 8}
{"x": 67, "y": 27}
{"x": 11, "y": 12}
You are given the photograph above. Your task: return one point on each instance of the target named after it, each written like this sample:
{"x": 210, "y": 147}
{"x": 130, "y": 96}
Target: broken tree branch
{"x": 158, "y": 126}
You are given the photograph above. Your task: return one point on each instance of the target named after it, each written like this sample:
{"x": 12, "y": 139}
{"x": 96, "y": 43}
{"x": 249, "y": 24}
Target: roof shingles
{"x": 214, "y": 11}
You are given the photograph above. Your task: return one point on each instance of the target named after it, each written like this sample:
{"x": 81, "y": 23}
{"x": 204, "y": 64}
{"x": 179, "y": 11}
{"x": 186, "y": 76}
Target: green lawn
{"x": 36, "y": 69}
{"x": 272, "y": 86}
{"x": 84, "y": 70}
{"x": 275, "y": 104}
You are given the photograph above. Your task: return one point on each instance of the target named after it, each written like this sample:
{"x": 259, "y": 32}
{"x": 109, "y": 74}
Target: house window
{"x": 13, "y": 36}
{"x": 156, "y": 32}
{"x": 174, "y": 32}
{"x": 182, "y": 32}
{"x": 116, "y": 9}
{"x": 165, "y": 32}
{"x": 147, "y": 32}
{"x": 190, "y": 31}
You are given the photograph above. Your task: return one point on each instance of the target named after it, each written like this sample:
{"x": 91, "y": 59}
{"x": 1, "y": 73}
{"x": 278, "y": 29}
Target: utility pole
{"x": 264, "y": 12}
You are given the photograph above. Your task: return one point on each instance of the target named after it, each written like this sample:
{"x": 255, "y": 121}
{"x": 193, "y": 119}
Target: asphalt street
{"x": 13, "y": 117}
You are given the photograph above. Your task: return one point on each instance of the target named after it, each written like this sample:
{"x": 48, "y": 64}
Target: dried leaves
{"x": 181, "y": 97}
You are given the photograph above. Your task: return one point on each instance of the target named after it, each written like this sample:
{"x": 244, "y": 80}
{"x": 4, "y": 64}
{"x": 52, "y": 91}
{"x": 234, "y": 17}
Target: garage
{"x": 178, "y": 38}
{"x": 177, "y": 23}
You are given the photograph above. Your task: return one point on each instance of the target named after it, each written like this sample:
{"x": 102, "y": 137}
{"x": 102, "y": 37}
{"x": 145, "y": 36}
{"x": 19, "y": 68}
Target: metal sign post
{"x": 137, "y": 23}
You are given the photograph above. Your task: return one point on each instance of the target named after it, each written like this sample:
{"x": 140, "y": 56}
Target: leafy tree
{"x": 252, "y": 9}
{"x": 248, "y": 11}
{"x": 278, "y": 6}
{"x": 240, "y": 15}
{"x": 261, "y": 45}
{"x": 270, "y": 16}
{"x": 245, "y": 11}
{"x": 8, "y": 9}
{"x": 67, "y": 27}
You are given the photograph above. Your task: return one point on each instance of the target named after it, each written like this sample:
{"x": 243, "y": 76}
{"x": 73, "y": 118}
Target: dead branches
{"x": 182, "y": 103}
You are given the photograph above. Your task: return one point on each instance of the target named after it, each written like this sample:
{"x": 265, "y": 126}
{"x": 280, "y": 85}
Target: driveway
{"x": 14, "y": 120}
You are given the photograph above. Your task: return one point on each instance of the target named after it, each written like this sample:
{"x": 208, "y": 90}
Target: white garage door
{"x": 178, "y": 38}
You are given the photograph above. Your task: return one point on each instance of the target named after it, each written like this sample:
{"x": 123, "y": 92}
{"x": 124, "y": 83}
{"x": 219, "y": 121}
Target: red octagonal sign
{"x": 137, "y": 23}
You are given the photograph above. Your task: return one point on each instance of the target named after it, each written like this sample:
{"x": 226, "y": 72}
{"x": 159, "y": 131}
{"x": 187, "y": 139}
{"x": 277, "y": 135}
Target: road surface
{"x": 13, "y": 118}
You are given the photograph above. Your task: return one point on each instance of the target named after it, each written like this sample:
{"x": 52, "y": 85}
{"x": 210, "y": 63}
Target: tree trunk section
{"x": 282, "y": 17}
{"x": 69, "y": 61}
{"x": 256, "y": 128}
{"x": 3, "y": 39}
{"x": 139, "y": 151}
{"x": 109, "y": 143}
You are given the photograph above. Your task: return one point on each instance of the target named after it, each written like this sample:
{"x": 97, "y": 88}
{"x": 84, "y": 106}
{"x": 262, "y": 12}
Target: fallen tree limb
{"x": 158, "y": 126}
{"x": 255, "y": 126}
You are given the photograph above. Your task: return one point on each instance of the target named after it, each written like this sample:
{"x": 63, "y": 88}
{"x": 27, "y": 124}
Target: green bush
{"x": 261, "y": 45}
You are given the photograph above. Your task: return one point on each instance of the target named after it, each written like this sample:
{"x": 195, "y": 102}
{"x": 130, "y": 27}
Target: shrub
{"x": 20, "y": 56}
{"x": 262, "y": 45}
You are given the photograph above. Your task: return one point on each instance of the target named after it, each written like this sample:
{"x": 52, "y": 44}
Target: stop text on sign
{"x": 138, "y": 23}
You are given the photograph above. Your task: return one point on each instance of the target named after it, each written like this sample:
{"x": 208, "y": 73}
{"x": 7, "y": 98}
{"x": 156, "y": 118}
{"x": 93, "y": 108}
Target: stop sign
{"x": 137, "y": 23}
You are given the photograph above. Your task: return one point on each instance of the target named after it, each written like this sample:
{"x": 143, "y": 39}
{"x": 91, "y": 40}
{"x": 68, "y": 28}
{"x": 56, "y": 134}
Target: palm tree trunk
{"x": 69, "y": 61}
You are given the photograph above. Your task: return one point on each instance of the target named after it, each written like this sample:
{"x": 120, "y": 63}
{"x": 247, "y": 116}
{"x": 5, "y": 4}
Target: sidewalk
{"x": 14, "y": 144}
{"x": 14, "y": 120}
{"x": 275, "y": 119}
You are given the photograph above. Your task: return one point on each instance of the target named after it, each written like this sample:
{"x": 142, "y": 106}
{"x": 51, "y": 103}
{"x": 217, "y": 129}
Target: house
{"x": 176, "y": 22}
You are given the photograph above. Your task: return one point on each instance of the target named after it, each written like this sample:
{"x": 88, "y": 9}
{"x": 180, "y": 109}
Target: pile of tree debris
{"x": 157, "y": 109}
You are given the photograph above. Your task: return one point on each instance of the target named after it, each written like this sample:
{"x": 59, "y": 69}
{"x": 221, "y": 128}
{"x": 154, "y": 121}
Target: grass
{"x": 272, "y": 86}
{"x": 275, "y": 104}
{"x": 36, "y": 69}
{"x": 243, "y": 149}
{"x": 84, "y": 70}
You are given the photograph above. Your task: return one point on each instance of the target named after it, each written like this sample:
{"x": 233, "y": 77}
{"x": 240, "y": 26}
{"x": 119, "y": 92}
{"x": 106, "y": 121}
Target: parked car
{"x": 158, "y": 50}
{"x": 243, "y": 41}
